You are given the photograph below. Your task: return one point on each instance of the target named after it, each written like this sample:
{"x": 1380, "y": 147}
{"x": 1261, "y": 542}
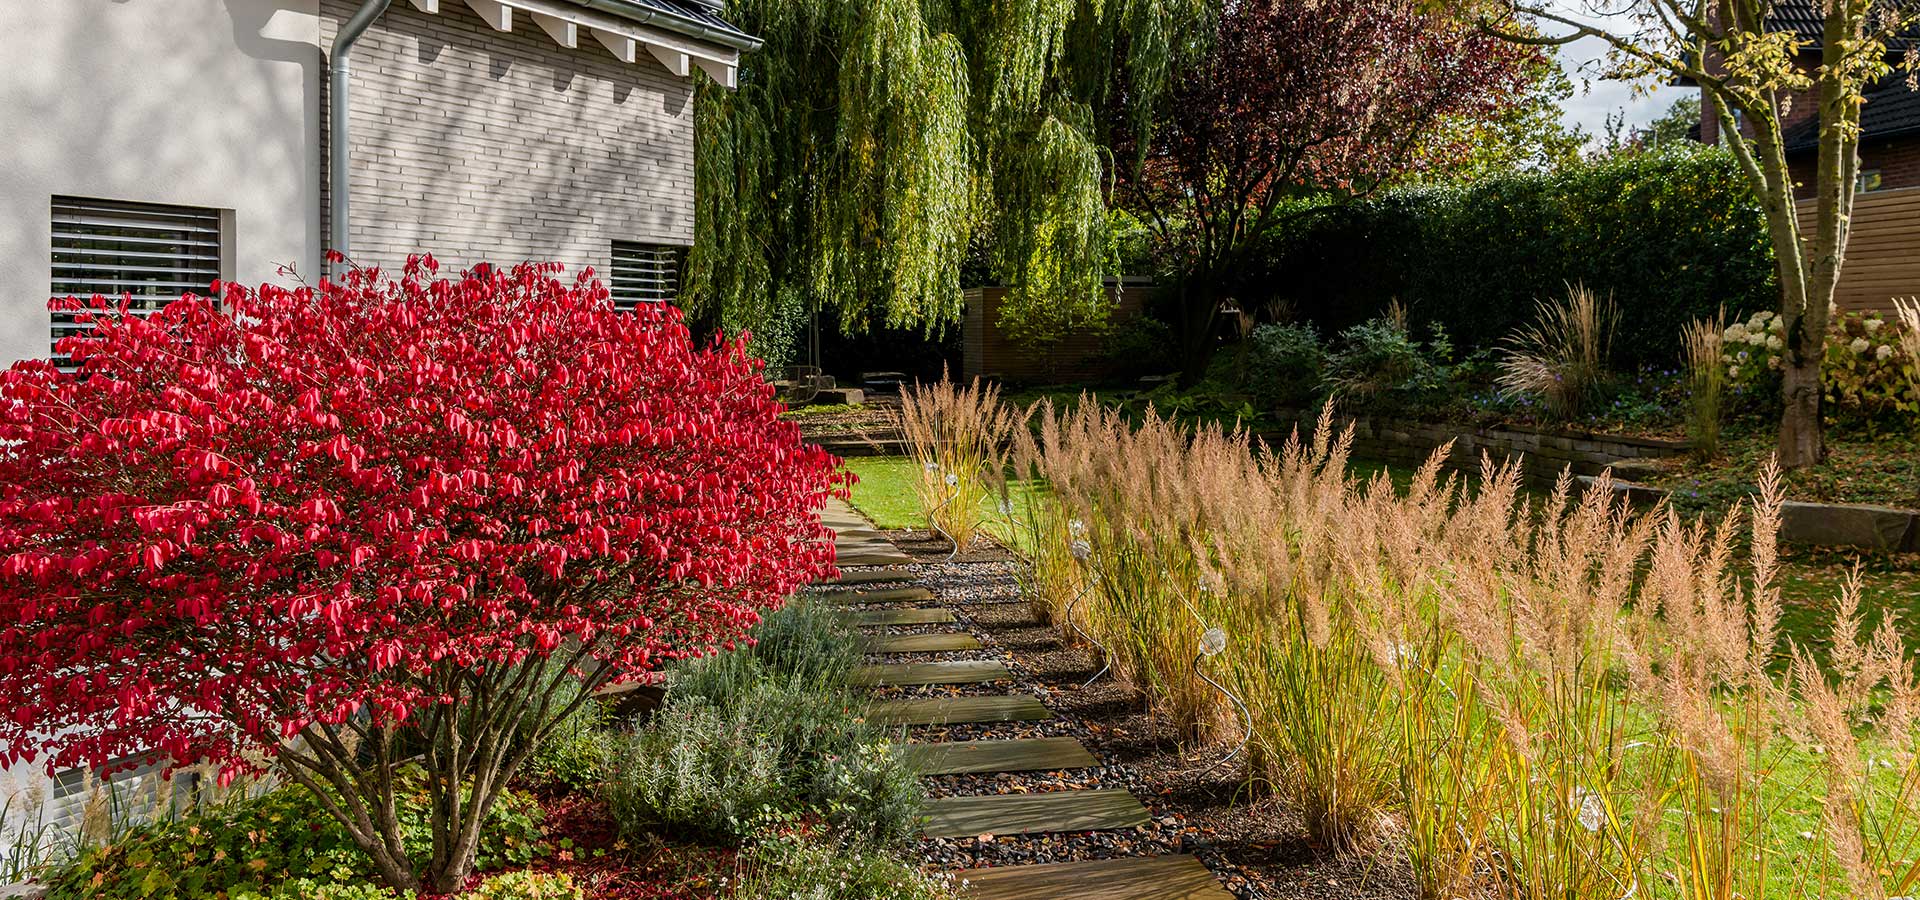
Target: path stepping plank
{"x": 958, "y": 710}
{"x": 1053, "y": 811}
{"x": 922, "y": 643}
{"x": 971, "y": 757}
{"x": 868, "y": 576}
{"x": 1140, "y": 878}
{"x": 890, "y": 595}
{"x": 870, "y": 617}
{"x": 970, "y": 671}
{"x": 886, "y": 557}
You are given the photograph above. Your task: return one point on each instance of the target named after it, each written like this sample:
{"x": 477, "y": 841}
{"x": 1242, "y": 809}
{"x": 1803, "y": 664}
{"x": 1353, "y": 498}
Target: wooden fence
{"x": 1883, "y": 252}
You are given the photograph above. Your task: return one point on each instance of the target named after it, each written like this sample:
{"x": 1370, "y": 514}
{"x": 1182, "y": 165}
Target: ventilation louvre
{"x": 644, "y": 273}
{"x": 150, "y": 253}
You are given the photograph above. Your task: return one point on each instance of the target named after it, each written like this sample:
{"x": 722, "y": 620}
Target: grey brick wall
{"x": 478, "y": 145}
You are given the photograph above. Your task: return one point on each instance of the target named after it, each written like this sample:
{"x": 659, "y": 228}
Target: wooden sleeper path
{"x": 1138, "y": 878}
{"x": 966, "y": 671}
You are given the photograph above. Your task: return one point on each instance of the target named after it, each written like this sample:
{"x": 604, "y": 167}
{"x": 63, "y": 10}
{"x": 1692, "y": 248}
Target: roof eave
{"x": 670, "y": 21}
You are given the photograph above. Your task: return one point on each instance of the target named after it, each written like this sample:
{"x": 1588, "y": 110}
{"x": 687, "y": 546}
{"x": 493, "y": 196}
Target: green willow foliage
{"x": 871, "y": 142}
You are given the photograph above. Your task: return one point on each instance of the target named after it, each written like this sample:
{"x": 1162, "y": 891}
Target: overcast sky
{"x": 1593, "y": 97}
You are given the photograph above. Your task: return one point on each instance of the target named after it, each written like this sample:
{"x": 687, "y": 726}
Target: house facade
{"x": 153, "y": 146}
{"x": 1883, "y": 248}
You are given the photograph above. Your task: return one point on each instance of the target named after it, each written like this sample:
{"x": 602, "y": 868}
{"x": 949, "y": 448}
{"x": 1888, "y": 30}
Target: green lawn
{"x": 885, "y": 494}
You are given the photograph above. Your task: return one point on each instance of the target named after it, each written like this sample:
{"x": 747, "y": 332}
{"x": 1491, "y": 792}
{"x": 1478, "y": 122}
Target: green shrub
{"x": 1138, "y": 346}
{"x": 309, "y": 889}
{"x": 866, "y": 794}
{"x": 252, "y": 843}
{"x": 803, "y": 867}
{"x": 1671, "y": 237}
{"x": 1285, "y": 363}
{"x": 769, "y": 731}
{"x": 525, "y": 885}
{"x": 574, "y": 756}
{"x": 1380, "y": 365}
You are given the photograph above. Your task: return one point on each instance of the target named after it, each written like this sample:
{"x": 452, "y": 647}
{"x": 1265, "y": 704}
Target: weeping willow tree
{"x": 871, "y": 143}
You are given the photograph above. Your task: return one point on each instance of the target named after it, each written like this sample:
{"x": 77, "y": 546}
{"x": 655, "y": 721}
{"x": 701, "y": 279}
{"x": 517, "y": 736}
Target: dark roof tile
{"x": 1892, "y": 109}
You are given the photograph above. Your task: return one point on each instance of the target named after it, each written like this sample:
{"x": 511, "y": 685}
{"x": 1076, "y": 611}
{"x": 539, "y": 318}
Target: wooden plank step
{"x": 867, "y": 576}
{"x": 1024, "y": 755}
{"x": 1174, "y": 877}
{"x": 870, "y": 617}
{"x": 889, "y": 595}
{"x": 922, "y": 643}
{"x": 958, "y": 710}
{"x": 968, "y": 671}
{"x": 1050, "y": 812}
{"x": 871, "y": 558}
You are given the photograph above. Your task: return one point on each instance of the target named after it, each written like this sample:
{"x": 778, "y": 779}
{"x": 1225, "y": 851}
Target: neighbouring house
{"x": 1883, "y": 250}
{"x": 153, "y": 146}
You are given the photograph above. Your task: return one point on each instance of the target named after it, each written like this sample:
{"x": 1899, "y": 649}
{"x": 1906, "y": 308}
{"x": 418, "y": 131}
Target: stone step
{"x": 1178, "y": 877}
{"x": 1050, "y": 812}
{"x": 958, "y": 710}
{"x": 872, "y": 617}
{"x": 890, "y": 595}
{"x": 971, "y": 757}
{"x": 970, "y": 671}
{"x": 941, "y": 642}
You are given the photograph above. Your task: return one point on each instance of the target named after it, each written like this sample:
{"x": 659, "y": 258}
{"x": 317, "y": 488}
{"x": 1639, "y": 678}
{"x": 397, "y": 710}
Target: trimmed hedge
{"x": 1670, "y": 236}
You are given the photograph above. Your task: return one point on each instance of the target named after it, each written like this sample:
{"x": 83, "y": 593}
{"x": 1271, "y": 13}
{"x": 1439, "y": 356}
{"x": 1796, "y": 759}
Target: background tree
{"x": 1298, "y": 98}
{"x": 1751, "y": 73}
{"x": 870, "y": 141}
{"x": 339, "y": 529}
{"x": 1526, "y": 135}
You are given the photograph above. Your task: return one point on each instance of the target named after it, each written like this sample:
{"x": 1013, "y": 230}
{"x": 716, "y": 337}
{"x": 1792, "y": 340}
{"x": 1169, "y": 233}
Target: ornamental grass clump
{"x": 1703, "y": 353}
{"x": 337, "y": 528}
{"x": 1056, "y": 575}
{"x": 958, "y": 437}
{"x": 1561, "y": 356}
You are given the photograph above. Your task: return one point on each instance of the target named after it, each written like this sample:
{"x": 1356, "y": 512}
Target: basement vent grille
{"x": 644, "y": 273}
{"x": 153, "y": 253}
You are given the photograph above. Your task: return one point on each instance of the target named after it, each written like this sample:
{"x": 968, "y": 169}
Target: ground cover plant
{"x": 337, "y": 528}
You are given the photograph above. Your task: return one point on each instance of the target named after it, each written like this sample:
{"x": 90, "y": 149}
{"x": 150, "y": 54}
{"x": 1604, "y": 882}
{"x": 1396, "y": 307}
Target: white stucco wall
{"x": 211, "y": 103}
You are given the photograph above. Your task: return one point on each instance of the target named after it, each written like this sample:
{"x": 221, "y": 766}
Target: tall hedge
{"x": 1670, "y": 236}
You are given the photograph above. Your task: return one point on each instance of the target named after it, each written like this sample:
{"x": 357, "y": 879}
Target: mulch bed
{"x": 1253, "y": 841}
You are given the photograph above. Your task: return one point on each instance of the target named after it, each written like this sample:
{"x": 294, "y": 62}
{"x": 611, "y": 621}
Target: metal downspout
{"x": 338, "y": 159}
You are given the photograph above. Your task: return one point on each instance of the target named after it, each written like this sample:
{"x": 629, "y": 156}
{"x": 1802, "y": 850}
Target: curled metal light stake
{"x": 1083, "y": 551}
{"x": 1212, "y": 642}
{"x": 933, "y": 525}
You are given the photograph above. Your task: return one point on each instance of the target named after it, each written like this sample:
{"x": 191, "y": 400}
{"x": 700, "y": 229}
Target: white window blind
{"x": 152, "y": 252}
{"x": 644, "y": 273}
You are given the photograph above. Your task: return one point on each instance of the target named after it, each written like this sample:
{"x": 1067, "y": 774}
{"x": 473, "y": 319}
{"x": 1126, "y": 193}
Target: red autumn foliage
{"x": 246, "y": 520}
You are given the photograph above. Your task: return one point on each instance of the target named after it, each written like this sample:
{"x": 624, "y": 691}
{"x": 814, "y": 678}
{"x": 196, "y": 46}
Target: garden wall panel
{"x": 1883, "y": 252}
{"x": 1544, "y": 454}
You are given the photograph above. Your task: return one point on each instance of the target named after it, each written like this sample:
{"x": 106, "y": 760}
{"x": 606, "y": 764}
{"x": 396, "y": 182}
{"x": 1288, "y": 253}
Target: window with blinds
{"x": 644, "y": 273}
{"x": 153, "y": 253}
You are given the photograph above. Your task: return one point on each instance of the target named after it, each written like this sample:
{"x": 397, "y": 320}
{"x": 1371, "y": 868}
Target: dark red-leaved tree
{"x": 1302, "y": 97}
{"x": 342, "y": 527}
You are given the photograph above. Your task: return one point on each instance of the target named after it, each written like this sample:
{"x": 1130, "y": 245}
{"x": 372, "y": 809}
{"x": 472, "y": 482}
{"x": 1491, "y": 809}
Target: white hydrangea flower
{"x": 1885, "y": 351}
{"x": 1756, "y": 338}
{"x": 1872, "y": 325}
{"x": 1778, "y": 324}
{"x": 1735, "y": 333}
{"x": 1859, "y": 345}
{"x": 1774, "y": 342}
{"x": 1733, "y": 371}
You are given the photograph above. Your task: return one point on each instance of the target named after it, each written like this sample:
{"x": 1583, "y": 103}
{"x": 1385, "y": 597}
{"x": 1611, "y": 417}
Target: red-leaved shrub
{"x": 341, "y": 526}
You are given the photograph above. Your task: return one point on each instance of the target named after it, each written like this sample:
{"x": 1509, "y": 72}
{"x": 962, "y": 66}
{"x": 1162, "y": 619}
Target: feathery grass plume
{"x": 1561, "y": 357}
{"x": 1706, "y": 385}
{"x": 958, "y": 436}
{"x": 1041, "y": 525}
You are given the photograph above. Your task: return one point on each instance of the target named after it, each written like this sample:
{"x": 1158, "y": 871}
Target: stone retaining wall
{"x": 1544, "y": 454}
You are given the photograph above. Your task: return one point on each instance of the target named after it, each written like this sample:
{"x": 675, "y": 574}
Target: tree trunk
{"x": 1197, "y": 309}
{"x": 1801, "y": 430}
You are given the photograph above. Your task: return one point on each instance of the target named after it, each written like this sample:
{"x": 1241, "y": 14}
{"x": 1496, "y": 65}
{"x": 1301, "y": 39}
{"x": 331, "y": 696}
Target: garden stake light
{"x": 933, "y": 521}
{"x": 1083, "y": 552}
{"x": 1212, "y": 642}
